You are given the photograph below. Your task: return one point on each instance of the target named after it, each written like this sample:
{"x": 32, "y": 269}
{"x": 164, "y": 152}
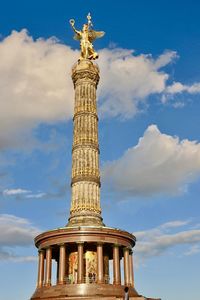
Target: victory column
{"x": 84, "y": 248}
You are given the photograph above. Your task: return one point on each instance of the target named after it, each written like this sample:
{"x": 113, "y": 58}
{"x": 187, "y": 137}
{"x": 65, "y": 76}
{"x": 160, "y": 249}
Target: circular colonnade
{"x": 88, "y": 262}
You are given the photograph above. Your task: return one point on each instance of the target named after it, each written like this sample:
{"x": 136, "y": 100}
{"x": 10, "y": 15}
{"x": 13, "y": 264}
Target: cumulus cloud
{"x": 127, "y": 80}
{"x": 159, "y": 163}
{"x": 36, "y": 86}
{"x": 157, "y": 241}
{"x": 15, "y": 232}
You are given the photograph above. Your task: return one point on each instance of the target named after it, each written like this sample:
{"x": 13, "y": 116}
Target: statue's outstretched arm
{"x": 72, "y": 22}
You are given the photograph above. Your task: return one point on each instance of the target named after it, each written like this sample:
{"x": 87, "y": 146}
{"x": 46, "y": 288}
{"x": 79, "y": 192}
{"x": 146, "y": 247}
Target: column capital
{"x": 100, "y": 243}
{"x": 126, "y": 249}
{"x": 48, "y": 247}
{"x": 41, "y": 251}
{"x": 116, "y": 245}
{"x": 80, "y": 243}
{"x": 61, "y": 244}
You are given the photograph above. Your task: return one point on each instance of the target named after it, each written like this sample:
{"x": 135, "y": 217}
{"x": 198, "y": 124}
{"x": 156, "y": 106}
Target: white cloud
{"x": 36, "y": 86}
{"x": 22, "y": 193}
{"x": 178, "y": 87}
{"x": 173, "y": 92}
{"x": 15, "y": 232}
{"x": 38, "y": 195}
{"x": 127, "y": 80}
{"x": 174, "y": 224}
{"x": 159, "y": 163}
{"x": 14, "y": 192}
{"x": 157, "y": 241}
{"x": 9, "y": 256}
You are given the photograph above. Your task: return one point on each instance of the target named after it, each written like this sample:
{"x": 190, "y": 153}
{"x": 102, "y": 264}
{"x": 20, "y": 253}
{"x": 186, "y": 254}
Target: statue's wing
{"x": 95, "y": 35}
{"x": 77, "y": 36}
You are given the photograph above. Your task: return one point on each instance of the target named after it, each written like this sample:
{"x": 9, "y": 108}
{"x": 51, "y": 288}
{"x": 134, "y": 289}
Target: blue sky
{"x": 148, "y": 102}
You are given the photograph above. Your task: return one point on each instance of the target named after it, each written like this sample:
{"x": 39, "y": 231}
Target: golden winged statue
{"x": 86, "y": 36}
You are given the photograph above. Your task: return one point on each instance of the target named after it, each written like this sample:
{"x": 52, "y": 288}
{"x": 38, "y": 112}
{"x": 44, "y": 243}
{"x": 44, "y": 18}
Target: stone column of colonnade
{"x": 131, "y": 268}
{"x": 85, "y": 202}
{"x": 41, "y": 258}
{"x": 62, "y": 264}
{"x": 80, "y": 278}
{"x": 48, "y": 268}
{"x": 128, "y": 267}
{"x": 45, "y": 265}
{"x": 116, "y": 265}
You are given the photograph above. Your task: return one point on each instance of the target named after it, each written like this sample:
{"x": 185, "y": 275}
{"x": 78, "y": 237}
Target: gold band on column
{"x": 116, "y": 265}
{"x": 62, "y": 264}
{"x": 40, "y": 268}
{"x": 131, "y": 268}
{"x": 48, "y": 267}
{"x": 126, "y": 267}
{"x": 100, "y": 263}
{"x": 80, "y": 263}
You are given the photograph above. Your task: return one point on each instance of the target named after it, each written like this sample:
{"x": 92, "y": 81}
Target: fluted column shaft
{"x": 62, "y": 264}
{"x": 85, "y": 152}
{"x": 80, "y": 263}
{"x": 40, "y": 268}
{"x": 99, "y": 263}
{"x": 48, "y": 266}
{"x": 116, "y": 266}
{"x": 126, "y": 267}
